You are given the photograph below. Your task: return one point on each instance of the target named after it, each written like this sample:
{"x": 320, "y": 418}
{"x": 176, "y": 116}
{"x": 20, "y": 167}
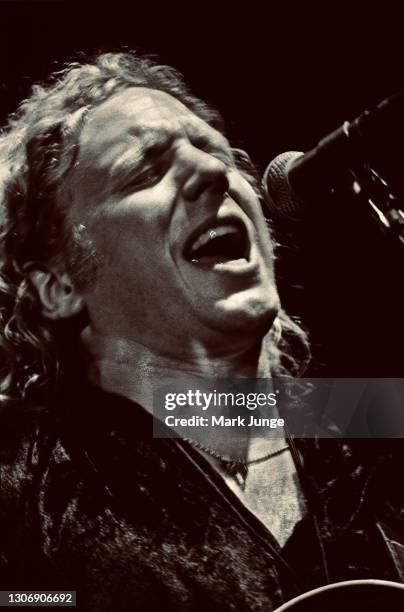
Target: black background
{"x": 283, "y": 76}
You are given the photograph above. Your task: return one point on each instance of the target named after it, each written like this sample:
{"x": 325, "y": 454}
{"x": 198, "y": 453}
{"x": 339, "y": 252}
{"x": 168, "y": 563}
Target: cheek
{"x": 132, "y": 255}
{"x": 251, "y": 205}
{"x": 248, "y": 200}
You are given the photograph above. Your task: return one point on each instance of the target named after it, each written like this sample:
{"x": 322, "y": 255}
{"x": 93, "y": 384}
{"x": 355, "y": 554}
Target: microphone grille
{"x": 279, "y": 194}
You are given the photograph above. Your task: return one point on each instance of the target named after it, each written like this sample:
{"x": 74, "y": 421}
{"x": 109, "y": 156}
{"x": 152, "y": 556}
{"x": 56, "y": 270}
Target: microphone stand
{"x": 383, "y": 203}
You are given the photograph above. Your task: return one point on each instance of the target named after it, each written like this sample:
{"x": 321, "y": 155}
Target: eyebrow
{"x": 155, "y": 143}
{"x": 159, "y": 141}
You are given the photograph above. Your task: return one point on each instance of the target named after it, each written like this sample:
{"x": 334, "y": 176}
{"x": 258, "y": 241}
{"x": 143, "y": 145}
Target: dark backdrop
{"x": 283, "y": 76}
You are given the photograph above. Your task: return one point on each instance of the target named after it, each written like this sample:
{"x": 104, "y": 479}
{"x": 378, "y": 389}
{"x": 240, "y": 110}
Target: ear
{"x": 56, "y": 293}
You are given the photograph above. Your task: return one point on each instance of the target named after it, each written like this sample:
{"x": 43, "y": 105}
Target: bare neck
{"x": 122, "y": 366}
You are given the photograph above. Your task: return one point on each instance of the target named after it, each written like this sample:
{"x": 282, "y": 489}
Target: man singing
{"x": 134, "y": 249}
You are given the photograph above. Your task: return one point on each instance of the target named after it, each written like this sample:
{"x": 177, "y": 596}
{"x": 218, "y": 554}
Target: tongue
{"x": 224, "y": 248}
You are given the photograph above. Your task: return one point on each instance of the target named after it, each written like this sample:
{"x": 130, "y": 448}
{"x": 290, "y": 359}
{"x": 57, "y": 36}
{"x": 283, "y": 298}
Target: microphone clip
{"x": 383, "y": 203}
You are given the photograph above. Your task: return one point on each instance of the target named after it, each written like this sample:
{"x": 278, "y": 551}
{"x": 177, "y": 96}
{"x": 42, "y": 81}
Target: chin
{"x": 253, "y": 312}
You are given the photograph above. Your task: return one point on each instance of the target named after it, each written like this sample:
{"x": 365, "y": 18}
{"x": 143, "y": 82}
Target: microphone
{"x": 294, "y": 177}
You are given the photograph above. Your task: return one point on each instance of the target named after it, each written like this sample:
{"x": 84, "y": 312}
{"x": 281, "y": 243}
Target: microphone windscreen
{"x": 278, "y": 192}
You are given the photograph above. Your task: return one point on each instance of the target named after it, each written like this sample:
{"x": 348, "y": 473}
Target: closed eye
{"x": 221, "y": 152}
{"x": 225, "y": 157}
{"x": 145, "y": 178}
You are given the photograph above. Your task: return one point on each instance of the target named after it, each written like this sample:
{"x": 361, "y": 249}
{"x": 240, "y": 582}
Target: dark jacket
{"x": 91, "y": 502}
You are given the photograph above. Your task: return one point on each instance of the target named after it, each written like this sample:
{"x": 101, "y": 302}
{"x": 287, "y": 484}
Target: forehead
{"x": 139, "y": 113}
{"x": 139, "y": 103}
{"x": 136, "y": 120}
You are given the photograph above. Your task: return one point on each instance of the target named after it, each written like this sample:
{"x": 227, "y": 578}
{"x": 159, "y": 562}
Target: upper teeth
{"x": 209, "y": 234}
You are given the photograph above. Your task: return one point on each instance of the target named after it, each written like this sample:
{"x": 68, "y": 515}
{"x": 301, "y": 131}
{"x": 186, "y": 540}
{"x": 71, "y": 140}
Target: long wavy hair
{"x": 38, "y": 148}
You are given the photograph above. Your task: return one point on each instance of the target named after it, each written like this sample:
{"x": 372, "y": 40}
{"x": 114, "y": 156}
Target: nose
{"x": 207, "y": 174}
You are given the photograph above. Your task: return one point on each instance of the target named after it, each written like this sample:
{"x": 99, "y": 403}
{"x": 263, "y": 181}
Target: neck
{"x": 123, "y": 366}
{"x": 120, "y": 365}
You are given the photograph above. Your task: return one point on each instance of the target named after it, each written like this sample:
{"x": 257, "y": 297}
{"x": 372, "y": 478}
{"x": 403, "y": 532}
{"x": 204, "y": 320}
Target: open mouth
{"x": 218, "y": 242}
